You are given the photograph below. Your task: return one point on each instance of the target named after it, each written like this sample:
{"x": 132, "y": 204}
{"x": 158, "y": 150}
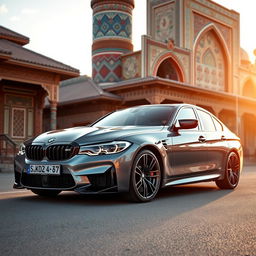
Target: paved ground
{"x": 186, "y": 220}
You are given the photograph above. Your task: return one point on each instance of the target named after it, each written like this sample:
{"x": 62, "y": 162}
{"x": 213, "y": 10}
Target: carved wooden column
{"x": 53, "y": 96}
{"x": 53, "y": 109}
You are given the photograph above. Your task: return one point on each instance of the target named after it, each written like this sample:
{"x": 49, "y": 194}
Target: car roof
{"x": 176, "y": 105}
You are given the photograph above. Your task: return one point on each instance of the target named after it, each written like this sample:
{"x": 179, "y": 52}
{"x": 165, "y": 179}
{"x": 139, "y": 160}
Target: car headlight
{"x": 21, "y": 149}
{"x": 104, "y": 148}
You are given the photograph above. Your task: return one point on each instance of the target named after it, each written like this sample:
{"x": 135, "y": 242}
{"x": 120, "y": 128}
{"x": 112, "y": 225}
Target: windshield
{"x": 141, "y": 116}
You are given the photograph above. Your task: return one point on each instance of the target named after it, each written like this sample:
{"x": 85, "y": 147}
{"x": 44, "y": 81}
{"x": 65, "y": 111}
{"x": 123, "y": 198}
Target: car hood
{"x": 86, "y": 135}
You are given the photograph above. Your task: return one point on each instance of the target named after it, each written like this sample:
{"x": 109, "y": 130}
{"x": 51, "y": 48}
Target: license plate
{"x": 44, "y": 169}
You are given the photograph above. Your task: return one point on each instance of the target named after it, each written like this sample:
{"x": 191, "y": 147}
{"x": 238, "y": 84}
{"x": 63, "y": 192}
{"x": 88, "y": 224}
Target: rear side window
{"x": 206, "y": 121}
{"x": 218, "y": 125}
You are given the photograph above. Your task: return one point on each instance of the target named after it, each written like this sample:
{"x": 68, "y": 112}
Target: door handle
{"x": 202, "y": 138}
{"x": 223, "y": 137}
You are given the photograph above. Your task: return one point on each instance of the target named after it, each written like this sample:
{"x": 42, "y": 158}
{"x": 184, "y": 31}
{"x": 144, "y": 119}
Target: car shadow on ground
{"x": 169, "y": 203}
{"x": 192, "y": 192}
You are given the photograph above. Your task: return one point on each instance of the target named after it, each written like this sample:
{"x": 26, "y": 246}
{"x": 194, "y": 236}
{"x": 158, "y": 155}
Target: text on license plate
{"x": 44, "y": 169}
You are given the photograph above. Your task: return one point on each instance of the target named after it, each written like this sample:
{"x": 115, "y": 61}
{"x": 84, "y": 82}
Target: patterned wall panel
{"x": 131, "y": 66}
{"x": 164, "y": 22}
{"x": 18, "y": 123}
{"x": 106, "y": 67}
{"x": 112, "y": 24}
{"x": 200, "y": 22}
{"x": 210, "y": 63}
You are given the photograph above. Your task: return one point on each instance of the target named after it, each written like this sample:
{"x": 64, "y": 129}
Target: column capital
{"x": 53, "y": 103}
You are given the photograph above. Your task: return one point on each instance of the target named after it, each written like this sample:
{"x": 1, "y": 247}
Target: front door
{"x": 188, "y": 154}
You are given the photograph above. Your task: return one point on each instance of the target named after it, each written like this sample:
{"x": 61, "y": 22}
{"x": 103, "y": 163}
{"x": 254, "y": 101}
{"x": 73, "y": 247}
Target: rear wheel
{"x": 46, "y": 193}
{"x": 232, "y": 173}
{"x": 145, "y": 177}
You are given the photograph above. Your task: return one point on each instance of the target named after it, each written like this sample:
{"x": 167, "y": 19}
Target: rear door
{"x": 188, "y": 153}
{"x": 215, "y": 140}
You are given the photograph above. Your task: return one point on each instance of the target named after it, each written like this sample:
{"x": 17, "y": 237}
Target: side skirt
{"x": 194, "y": 179}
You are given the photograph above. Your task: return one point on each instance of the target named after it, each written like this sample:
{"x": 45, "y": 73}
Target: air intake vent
{"x": 34, "y": 152}
{"x": 48, "y": 181}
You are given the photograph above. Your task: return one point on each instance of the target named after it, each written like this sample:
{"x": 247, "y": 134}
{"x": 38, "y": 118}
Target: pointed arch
{"x": 171, "y": 62}
{"x": 208, "y": 58}
{"x": 249, "y": 88}
{"x": 211, "y": 58}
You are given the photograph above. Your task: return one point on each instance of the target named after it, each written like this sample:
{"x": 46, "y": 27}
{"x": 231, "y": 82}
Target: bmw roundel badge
{"x": 51, "y": 140}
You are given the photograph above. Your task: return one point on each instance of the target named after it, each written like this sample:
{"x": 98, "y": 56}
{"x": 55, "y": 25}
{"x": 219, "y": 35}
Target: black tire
{"x": 46, "y": 193}
{"x": 145, "y": 177}
{"x": 232, "y": 173}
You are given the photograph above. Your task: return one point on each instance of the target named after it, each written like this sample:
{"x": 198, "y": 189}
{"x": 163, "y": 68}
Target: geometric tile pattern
{"x": 106, "y": 68}
{"x": 18, "y": 122}
{"x": 112, "y": 24}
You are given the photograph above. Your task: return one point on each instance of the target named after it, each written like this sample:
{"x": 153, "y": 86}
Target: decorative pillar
{"x": 112, "y": 37}
{"x": 53, "y": 109}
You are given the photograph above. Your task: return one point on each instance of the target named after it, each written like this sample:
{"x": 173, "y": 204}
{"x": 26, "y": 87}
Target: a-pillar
{"x": 53, "y": 109}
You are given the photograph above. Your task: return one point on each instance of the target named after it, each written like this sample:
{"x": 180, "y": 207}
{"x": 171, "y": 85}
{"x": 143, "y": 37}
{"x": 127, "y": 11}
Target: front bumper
{"x": 82, "y": 173}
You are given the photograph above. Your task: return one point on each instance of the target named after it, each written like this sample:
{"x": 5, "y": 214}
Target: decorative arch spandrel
{"x": 211, "y": 61}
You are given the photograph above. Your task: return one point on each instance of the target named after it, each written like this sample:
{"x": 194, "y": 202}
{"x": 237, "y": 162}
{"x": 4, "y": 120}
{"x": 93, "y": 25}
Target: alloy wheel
{"x": 233, "y": 169}
{"x": 147, "y": 176}
{"x": 232, "y": 172}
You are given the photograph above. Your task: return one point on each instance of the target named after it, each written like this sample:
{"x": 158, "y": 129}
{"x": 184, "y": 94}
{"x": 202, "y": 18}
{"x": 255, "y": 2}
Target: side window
{"x": 206, "y": 121}
{"x": 187, "y": 113}
{"x": 218, "y": 125}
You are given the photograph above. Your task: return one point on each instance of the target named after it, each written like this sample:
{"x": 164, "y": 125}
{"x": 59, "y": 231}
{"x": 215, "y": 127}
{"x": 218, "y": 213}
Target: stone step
{"x": 6, "y": 167}
{"x": 6, "y": 159}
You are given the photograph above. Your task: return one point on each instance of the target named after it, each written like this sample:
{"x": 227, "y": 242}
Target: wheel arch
{"x": 234, "y": 150}
{"x": 240, "y": 157}
{"x": 157, "y": 153}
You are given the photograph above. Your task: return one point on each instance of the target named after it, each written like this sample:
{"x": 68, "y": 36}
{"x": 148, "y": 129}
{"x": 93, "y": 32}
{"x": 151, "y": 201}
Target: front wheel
{"x": 232, "y": 173}
{"x": 46, "y": 193}
{"x": 145, "y": 177}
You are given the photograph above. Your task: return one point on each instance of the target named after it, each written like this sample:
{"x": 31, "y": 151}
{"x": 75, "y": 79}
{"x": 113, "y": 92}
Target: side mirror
{"x": 185, "y": 124}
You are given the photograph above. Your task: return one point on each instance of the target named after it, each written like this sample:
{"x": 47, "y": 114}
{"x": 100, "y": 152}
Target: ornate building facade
{"x": 191, "y": 53}
{"x": 26, "y": 79}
